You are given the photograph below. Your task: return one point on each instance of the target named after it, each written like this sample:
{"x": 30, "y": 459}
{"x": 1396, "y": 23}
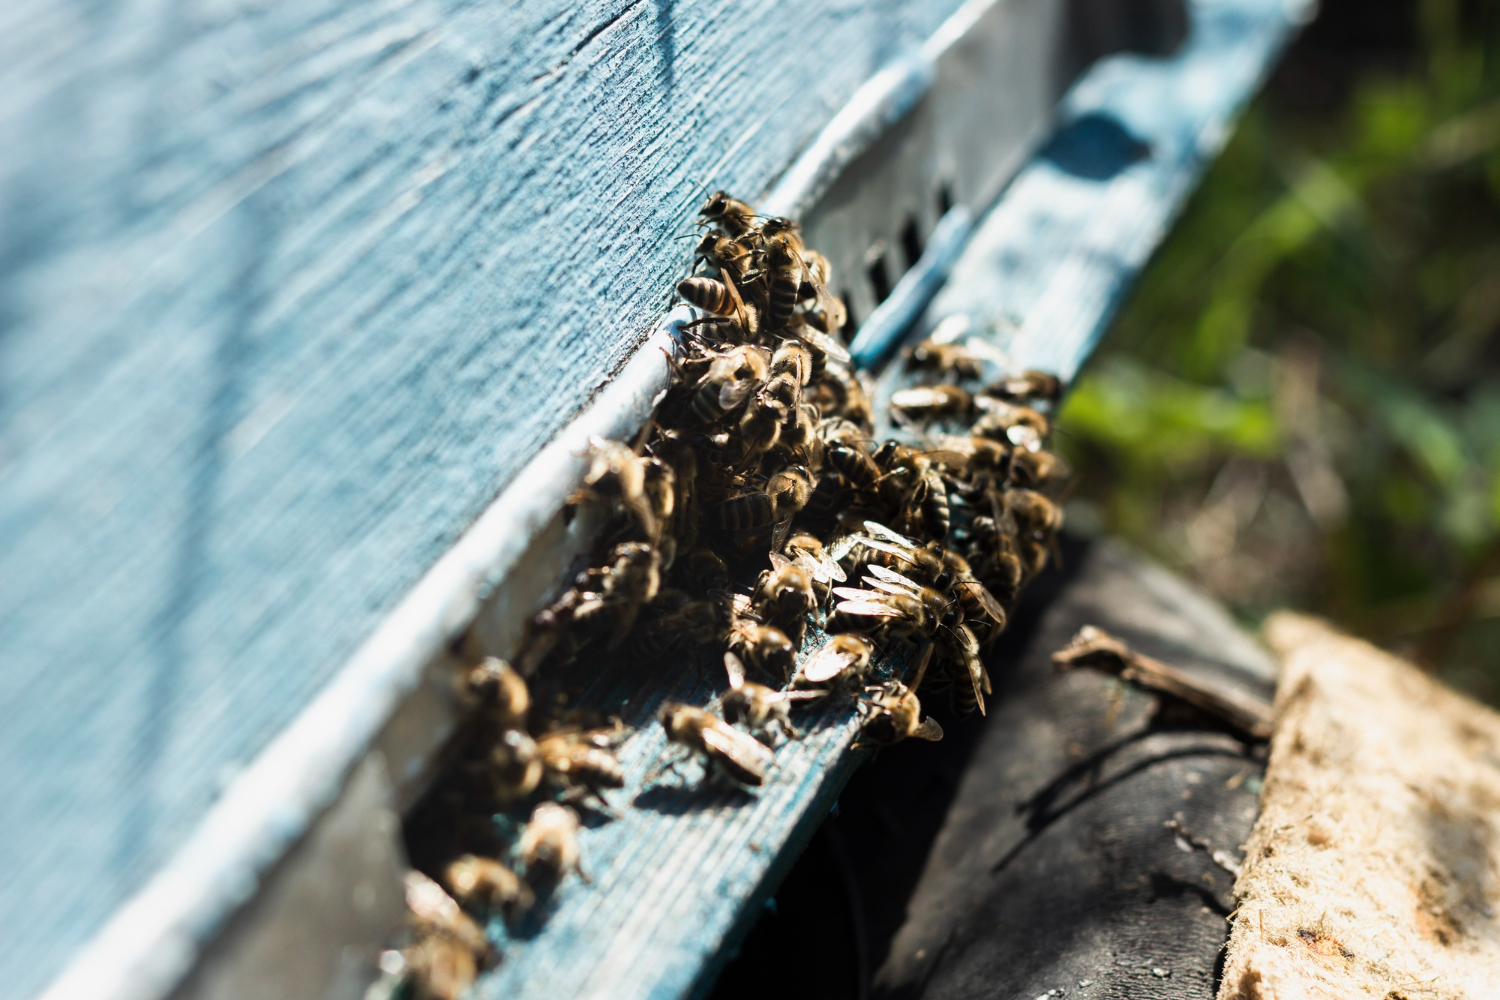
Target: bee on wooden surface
{"x": 494, "y": 688}
{"x": 725, "y": 748}
{"x": 792, "y": 358}
{"x": 1020, "y": 425}
{"x": 891, "y": 712}
{"x": 763, "y": 646}
{"x": 930, "y": 402}
{"x": 721, "y": 297}
{"x": 746, "y": 512}
{"x": 784, "y": 597}
{"x": 1028, "y": 385}
{"x": 487, "y": 884}
{"x": 927, "y": 506}
{"x": 840, "y": 662}
{"x": 629, "y": 582}
{"x": 732, "y": 378}
{"x": 725, "y": 253}
{"x": 760, "y": 427}
{"x": 1038, "y": 520}
{"x": 450, "y": 948}
{"x": 1038, "y": 470}
{"x": 895, "y": 714}
{"x": 548, "y": 847}
{"x": 617, "y": 473}
{"x": 961, "y": 649}
{"x": 799, "y": 437}
{"x": 762, "y": 710}
{"x": 514, "y": 766}
{"x": 806, "y": 551}
{"x": 946, "y": 359}
{"x": 579, "y": 766}
{"x": 788, "y": 491}
{"x": 898, "y": 610}
{"x": 731, "y": 215}
{"x": 784, "y": 269}
{"x": 995, "y": 558}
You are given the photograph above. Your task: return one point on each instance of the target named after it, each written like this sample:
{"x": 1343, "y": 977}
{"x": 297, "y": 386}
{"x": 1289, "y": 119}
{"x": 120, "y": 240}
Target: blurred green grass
{"x": 1300, "y": 403}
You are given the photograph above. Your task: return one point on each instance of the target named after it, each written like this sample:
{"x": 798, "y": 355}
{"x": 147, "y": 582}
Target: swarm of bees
{"x": 758, "y": 508}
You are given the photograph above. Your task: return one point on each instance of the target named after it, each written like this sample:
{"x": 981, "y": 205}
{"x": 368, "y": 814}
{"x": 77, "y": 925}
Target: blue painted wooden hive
{"x": 308, "y": 312}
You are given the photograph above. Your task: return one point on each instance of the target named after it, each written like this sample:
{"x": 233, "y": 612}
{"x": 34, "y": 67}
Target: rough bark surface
{"x": 1372, "y": 870}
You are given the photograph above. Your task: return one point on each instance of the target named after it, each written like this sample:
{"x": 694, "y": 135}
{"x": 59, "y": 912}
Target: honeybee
{"x": 618, "y": 473}
{"x": 842, "y": 660}
{"x": 1037, "y": 521}
{"x": 799, "y": 437}
{"x": 809, "y": 553}
{"x": 996, "y": 559}
{"x": 817, "y": 270}
{"x": 895, "y": 714}
{"x": 851, "y": 458}
{"x": 792, "y": 358}
{"x": 930, "y": 402}
{"x": 784, "y": 270}
{"x": 724, "y": 748}
{"x": 578, "y": 763}
{"x": 629, "y": 582}
{"x": 721, "y": 297}
{"x": 450, "y": 948}
{"x": 928, "y": 507}
{"x": 961, "y": 647}
{"x": 788, "y": 491}
{"x": 731, "y": 379}
{"x": 514, "y": 766}
{"x": 1028, "y": 385}
{"x": 760, "y": 709}
{"x": 724, "y": 253}
{"x": 946, "y": 358}
{"x": 891, "y": 712}
{"x": 731, "y": 215}
{"x": 763, "y": 646}
{"x": 903, "y": 609}
{"x": 1020, "y": 425}
{"x": 746, "y": 512}
{"x": 494, "y": 688}
{"x": 760, "y": 427}
{"x": 1038, "y": 470}
{"x": 486, "y": 883}
{"x": 549, "y": 845}
{"x": 784, "y": 597}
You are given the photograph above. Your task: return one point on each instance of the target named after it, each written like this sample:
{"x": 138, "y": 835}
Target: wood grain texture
{"x": 1049, "y": 266}
{"x": 290, "y": 291}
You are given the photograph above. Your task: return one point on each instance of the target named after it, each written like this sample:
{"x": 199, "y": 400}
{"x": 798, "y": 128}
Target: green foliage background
{"x": 1300, "y": 404}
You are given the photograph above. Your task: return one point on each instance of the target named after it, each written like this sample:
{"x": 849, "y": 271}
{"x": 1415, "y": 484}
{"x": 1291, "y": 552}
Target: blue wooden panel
{"x": 290, "y": 291}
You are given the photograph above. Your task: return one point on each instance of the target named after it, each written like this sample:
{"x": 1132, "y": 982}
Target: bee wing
{"x": 968, "y": 648}
{"x": 987, "y": 600}
{"x": 920, "y": 398}
{"x": 744, "y": 757}
{"x": 856, "y": 594}
{"x": 826, "y": 664}
{"x": 735, "y": 669}
{"x": 929, "y": 730}
{"x": 804, "y": 695}
{"x": 889, "y": 588}
{"x": 735, "y": 393}
{"x": 779, "y": 534}
{"x": 872, "y": 609}
{"x": 1026, "y": 437}
{"x": 825, "y": 343}
{"x": 884, "y": 534}
{"x": 779, "y": 562}
{"x": 841, "y": 547}
{"x": 888, "y": 575}
{"x": 740, "y": 605}
{"x": 823, "y": 570}
{"x": 738, "y": 310}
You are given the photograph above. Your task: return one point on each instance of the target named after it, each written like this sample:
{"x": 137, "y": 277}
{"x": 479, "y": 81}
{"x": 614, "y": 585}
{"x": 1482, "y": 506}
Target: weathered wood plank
{"x": 290, "y": 292}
